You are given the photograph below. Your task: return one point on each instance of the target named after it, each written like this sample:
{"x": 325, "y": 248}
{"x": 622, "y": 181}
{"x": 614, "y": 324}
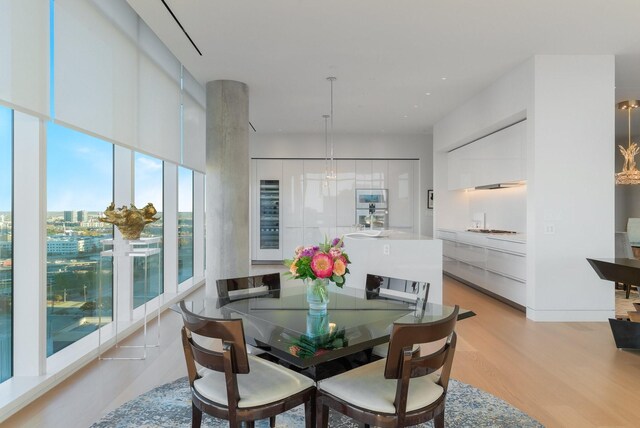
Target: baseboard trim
{"x": 487, "y": 292}
{"x": 563, "y": 315}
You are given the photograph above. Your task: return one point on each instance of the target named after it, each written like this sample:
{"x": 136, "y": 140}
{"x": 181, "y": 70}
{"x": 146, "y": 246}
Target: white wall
{"x": 572, "y": 186}
{"x": 568, "y": 102}
{"x": 361, "y": 146}
{"x": 504, "y": 209}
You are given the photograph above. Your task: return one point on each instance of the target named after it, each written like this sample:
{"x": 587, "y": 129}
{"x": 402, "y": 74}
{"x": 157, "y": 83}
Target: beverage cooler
{"x": 269, "y": 221}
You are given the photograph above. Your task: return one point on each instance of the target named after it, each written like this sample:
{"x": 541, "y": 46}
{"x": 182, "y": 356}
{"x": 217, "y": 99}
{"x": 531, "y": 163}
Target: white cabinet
{"x": 495, "y": 264}
{"x": 372, "y": 174}
{"x": 401, "y": 193}
{"x": 346, "y": 192}
{"x": 379, "y": 174}
{"x": 292, "y": 200}
{"x": 497, "y": 158}
{"x": 312, "y": 206}
{"x": 319, "y": 196}
{"x": 291, "y": 238}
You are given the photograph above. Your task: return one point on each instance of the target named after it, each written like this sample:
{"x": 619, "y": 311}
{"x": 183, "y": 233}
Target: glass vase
{"x": 317, "y": 293}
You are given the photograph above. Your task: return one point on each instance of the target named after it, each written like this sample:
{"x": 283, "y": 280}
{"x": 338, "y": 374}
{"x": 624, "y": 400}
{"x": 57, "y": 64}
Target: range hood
{"x": 498, "y": 186}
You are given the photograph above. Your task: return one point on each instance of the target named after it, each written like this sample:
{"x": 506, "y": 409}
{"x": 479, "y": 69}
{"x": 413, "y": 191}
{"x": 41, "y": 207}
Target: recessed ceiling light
{"x": 405, "y": 115}
{"x": 444, "y": 78}
{"x": 427, "y": 93}
{"x": 415, "y": 106}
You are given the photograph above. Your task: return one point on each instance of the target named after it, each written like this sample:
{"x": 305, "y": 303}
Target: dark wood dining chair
{"x": 232, "y": 385}
{"x": 383, "y": 287}
{"x": 248, "y": 287}
{"x": 401, "y": 390}
{"x": 265, "y": 285}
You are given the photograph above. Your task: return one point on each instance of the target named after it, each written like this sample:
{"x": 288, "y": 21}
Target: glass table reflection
{"x": 282, "y": 325}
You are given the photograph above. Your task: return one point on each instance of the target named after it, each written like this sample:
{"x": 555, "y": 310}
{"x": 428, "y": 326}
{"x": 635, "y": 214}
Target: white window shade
{"x": 158, "y": 111}
{"x": 194, "y": 148}
{"x": 194, "y": 88}
{"x": 96, "y": 73}
{"x": 24, "y": 55}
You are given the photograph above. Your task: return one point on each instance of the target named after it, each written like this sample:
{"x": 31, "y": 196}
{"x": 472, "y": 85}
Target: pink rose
{"x": 335, "y": 252}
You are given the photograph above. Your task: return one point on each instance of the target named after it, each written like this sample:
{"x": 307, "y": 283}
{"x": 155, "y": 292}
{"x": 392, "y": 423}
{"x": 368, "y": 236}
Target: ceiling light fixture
{"x": 630, "y": 173}
{"x": 326, "y": 146}
{"x": 332, "y": 170}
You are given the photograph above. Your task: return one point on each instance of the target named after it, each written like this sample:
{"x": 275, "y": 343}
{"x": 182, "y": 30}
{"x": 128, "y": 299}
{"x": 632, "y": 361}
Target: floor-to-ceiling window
{"x": 79, "y": 188}
{"x": 149, "y": 189}
{"x": 185, "y": 224}
{"x": 6, "y": 243}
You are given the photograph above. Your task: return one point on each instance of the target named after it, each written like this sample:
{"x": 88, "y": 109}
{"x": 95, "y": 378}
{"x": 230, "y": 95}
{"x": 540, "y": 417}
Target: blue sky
{"x": 5, "y": 159}
{"x": 79, "y": 171}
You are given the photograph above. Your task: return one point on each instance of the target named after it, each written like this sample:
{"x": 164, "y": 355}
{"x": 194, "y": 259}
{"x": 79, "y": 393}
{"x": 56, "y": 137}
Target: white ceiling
{"x": 385, "y": 54}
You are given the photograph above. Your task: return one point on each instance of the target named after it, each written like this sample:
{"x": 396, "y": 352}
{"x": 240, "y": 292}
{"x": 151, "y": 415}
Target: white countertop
{"x": 512, "y": 237}
{"x": 389, "y": 234}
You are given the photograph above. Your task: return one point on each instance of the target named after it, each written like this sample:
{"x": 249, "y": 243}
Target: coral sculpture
{"x": 130, "y": 221}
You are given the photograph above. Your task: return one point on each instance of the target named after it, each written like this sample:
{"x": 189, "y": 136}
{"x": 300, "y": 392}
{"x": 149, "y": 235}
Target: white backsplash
{"x": 504, "y": 209}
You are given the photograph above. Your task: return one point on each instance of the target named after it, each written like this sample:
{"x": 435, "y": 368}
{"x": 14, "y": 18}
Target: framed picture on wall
{"x": 430, "y": 199}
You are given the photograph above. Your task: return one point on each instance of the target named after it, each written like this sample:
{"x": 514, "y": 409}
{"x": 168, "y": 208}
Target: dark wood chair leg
{"x": 310, "y": 413}
{"x": 272, "y": 422}
{"x": 438, "y": 420}
{"x": 196, "y": 416}
{"x": 322, "y": 415}
{"x": 628, "y": 289}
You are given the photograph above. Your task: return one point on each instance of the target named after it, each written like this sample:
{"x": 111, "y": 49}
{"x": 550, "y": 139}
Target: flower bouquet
{"x": 317, "y": 265}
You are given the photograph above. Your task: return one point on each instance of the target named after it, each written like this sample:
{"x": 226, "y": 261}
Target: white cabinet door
{"x": 363, "y": 174}
{"x": 292, "y": 195}
{"x": 496, "y": 158}
{"x": 379, "y": 174}
{"x": 460, "y": 169}
{"x": 502, "y": 155}
{"x": 292, "y": 237}
{"x": 401, "y": 193}
{"x": 319, "y": 196}
{"x": 346, "y": 192}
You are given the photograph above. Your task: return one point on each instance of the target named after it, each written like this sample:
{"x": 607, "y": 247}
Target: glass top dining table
{"x": 280, "y": 323}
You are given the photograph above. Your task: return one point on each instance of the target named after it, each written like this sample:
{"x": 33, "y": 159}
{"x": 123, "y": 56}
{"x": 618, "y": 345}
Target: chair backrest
{"x": 246, "y": 287}
{"x": 404, "y": 336}
{"x": 229, "y": 331}
{"x": 378, "y": 286}
{"x": 633, "y": 229}
{"x": 623, "y": 246}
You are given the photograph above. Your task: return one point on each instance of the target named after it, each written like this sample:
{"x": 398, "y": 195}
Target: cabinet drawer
{"x": 473, "y": 274}
{"x": 512, "y": 265}
{"x": 448, "y": 248}
{"x": 509, "y": 246}
{"x": 471, "y": 254}
{"x": 508, "y": 288}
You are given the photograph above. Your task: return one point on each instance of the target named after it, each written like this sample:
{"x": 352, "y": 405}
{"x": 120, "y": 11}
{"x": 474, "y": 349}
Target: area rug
{"x": 169, "y": 406}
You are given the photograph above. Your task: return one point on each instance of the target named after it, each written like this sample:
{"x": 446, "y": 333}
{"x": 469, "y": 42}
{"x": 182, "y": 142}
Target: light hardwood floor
{"x": 562, "y": 374}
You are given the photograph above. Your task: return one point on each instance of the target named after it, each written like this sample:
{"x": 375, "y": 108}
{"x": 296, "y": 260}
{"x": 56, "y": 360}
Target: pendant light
{"x": 630, "y": 173}
{"x": 331, "y": 173}
{"x": 326, "y": 151}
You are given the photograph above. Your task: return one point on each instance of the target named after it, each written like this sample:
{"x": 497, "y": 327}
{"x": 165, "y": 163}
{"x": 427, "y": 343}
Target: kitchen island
{"x": 397, "y": 255}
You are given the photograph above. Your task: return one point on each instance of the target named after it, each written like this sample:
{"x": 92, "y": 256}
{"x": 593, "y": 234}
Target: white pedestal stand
{"x": 144, "y": 248}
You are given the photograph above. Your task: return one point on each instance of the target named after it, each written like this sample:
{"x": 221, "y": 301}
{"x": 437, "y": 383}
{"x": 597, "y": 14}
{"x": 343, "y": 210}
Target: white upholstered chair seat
{"x": 367, "y": 388}
{"x": 265, "y": 383}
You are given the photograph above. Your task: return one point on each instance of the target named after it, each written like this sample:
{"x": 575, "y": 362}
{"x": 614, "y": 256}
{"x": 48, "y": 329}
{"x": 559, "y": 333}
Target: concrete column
{"x": 227, "y": 193}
